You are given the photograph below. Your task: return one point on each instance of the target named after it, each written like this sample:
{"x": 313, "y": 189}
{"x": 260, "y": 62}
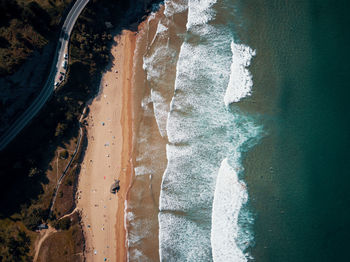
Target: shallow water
{"x": 155, "y": 61}
{"x": 243, "y": 139}
{"x": 196, "y": 72}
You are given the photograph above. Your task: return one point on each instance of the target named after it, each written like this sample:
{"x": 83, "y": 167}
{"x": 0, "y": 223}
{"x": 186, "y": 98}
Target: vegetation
{"x": 62, "y": 224}
{"x": 64, "y": 154}
{"x": 33, "y": 217}
{"x": 25, "y": 188}
{"x": 71, "y": 239}
{"x": 14, "y": 243}
{"x": 26, "y": 26}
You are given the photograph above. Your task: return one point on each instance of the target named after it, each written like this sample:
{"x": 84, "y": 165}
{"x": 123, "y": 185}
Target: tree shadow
{"x": 26, "y": 159}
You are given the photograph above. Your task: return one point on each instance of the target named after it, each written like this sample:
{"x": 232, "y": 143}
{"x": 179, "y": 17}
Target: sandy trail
{"x": 108, "y": 157}
{"x": 44, "y": 234}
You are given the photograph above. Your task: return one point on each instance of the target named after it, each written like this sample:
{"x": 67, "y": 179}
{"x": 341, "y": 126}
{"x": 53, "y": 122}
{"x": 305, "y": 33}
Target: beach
{"x": 221, "y": 130}
{"x": 108, "y": 156}
{"x": 188, "y": 191}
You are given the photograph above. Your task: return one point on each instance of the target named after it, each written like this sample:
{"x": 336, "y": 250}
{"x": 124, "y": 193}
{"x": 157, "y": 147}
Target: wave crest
{"x": 241, "y": 82}
{"x": 230, "y": 194}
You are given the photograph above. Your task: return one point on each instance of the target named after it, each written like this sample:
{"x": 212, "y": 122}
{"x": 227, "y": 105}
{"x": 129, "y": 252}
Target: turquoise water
{"x": 250, "y": 98}
{"x": 204, "y": 203}
{"x": 298, "y": 175}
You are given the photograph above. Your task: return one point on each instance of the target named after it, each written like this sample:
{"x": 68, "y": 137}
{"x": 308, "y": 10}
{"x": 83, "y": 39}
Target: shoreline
{"x": 149, "y": 151}
{"x": 108, "y": 157}
{"x": 127, "y": 147}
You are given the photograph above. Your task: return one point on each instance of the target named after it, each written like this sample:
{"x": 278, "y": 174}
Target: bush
{"x": 60, "y": 129}
{"x": 26, "y": 26}
{"x": 33, "y": 171}
{"x": 33, "y": 217}
{"x": 62, "y": 224}
{"x": 69, "y": 181}
{"x": 64, "y": 154}
{"x": 15, "y": 245}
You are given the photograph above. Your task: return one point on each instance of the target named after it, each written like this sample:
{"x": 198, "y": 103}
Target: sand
{"x": 108, "y": 157}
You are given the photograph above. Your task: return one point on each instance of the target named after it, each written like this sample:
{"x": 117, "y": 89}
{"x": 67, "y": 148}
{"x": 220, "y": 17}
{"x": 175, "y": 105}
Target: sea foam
{"x": 157, "y": 63}
{"x": 230, "y": 194}
{"x": 205, "y": 143}
{"x": 199, "y": 12}
{"x": 173, "y": 7}
{"x": 240, "y": 83}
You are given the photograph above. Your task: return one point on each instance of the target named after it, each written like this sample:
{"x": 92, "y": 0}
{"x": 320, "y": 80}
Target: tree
{"x": 60, "y": 129}
{"x": 33, "y": 171}
{"x": 64, "y": 154}
{"x": 69, "y": 181}
{"x": 15, "y": 244}
{"x": 69, "y": 116}
{"x": 62, "y": 224}
{"x": 33, "y": 217}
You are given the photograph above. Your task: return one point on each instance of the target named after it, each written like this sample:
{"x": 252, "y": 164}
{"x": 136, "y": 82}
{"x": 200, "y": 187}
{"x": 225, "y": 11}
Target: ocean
{"x": 242, "y": 133}
{"x": 298, "y": 174}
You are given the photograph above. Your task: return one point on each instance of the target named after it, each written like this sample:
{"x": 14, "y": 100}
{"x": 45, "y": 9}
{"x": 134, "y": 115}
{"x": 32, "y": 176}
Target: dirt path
{"x": 69, "y": 163}
{"x": 71, "y": 213}
{"x": 44, "y": 234}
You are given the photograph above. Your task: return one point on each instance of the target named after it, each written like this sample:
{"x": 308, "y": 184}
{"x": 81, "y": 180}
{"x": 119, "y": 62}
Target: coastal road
{"x": 54, "y": 73}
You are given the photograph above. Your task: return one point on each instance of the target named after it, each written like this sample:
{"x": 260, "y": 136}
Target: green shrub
{"x": 33, "y": 171}
{"x": 33, "y": 217}
{"x": 14, "y": 245}
{"x": 69, "y": 181}
{"x": 62, "y": 224}
{"x": 64, "y": 154}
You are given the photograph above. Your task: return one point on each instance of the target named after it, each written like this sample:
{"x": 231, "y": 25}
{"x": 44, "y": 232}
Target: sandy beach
{"x": 108, "y": 157}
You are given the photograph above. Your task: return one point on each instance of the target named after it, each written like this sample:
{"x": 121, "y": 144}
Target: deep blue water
{"x": 298, "y": 176}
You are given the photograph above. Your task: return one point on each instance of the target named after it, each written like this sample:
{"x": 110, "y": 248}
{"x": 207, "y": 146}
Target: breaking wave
{"x": 204, "y": 134}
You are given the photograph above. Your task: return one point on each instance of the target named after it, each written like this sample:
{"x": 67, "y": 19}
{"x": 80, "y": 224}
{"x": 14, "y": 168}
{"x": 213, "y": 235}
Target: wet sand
{"x": 108, "y": 158}
{"x": 149, "y": 152}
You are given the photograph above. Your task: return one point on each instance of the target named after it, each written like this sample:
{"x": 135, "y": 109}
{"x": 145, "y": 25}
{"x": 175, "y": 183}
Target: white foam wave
{"x": 126, "y": 216}
{"x": 202, "y": 132}
{"x": 240, "y": 83}
{"x": 142, "y": 171}
{"x": 151, "y": 17}
{"x": 198, "y": 74}
{"x": 156, "y": 65}
{"x": 146, "y": 105}
{"x": 161, "y": 109}
{"x": 139, "y": 232}
{"x": 130, "y": 216}
{"x": 199, "y": 12}
{"x": 230, "y": 194}
{"x": 182, "y": 239}
{"x": 174, "y": 7}
{"x": 139, "y": 256}
{"x": 161, "y": 28}
{"x": 161, "y": 32}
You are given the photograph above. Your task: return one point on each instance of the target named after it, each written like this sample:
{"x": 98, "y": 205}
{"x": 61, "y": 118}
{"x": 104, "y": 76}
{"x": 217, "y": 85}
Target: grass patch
{"x": 72, "y": 240}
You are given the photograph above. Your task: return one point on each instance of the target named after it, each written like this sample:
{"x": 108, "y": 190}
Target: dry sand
{"x": 108, "y": 157}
